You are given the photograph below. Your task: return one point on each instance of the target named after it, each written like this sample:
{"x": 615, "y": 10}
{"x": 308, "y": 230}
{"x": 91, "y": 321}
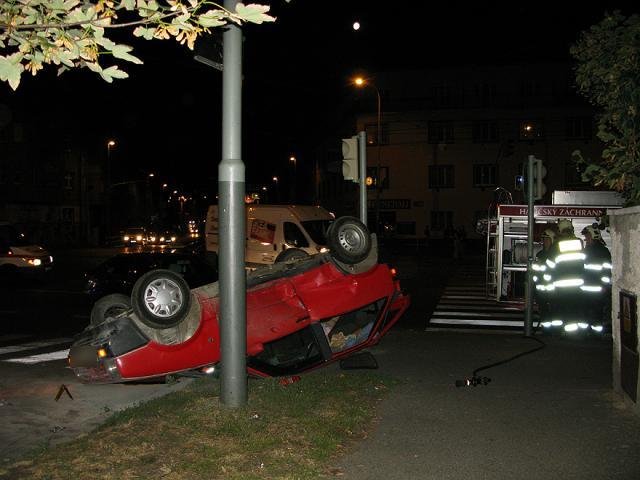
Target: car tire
{"x": 161, "y": 299}
{"x": 349, "y": 240}
{"x": 291, "y": 254}
{"x": 109, "y": 306}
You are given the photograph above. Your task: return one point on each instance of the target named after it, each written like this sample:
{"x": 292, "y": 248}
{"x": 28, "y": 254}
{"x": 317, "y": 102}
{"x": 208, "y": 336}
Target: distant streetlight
{"x": 362, "y": 82}
{"x": 356, "y": 26}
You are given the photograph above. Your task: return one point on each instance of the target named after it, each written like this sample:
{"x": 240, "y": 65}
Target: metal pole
{"x": 231, "y": 209}
{"x": 528, "y": 321}
{"x": 379, "y": 167}
{"x": 362, "y": 168}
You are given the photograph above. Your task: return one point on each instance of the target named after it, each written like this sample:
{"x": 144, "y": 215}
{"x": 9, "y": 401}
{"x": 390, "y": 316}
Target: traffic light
{"x": 519, "y": 183}
{"x": 350, "y": 158}
{"x": 539, "y": 173}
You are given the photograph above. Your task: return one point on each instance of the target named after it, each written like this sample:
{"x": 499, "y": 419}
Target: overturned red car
{"x": 301, "y": 314}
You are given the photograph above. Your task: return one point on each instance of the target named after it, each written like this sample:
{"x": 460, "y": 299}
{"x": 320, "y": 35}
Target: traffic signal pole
{"x": 362, "y": 170}
{"x": 231, "y": 190}
{"x": 528, "y": 317}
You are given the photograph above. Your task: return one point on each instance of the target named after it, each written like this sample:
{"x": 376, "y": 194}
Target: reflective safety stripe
{"x": 593, "y": 266}
{"x": 591, "y": 288}
{"x": 551, "y": 263}
{"x": 606, "y": 265}
{"x": 567, "y": 257}
{"x": 597, "y": 328}
{"x": 568, "y": 282}
{"x": 571, "y": 327}
{"x": 547, "y": 277}
{"x": 541, "y": 287}
{"x": 605, "y": 279}
{"x": 573, "y": 245}
{"x": 535, "y": 278}
{"x": 538, "y": 268}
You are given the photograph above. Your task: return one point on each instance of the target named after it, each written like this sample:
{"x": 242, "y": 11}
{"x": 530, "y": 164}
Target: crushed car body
{"x": 301, "y": 314}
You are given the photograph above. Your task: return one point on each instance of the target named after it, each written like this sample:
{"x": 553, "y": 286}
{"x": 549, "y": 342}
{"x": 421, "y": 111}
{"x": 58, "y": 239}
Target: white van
{"x": 18, "y": 255}
{"x": 272, "y": 230}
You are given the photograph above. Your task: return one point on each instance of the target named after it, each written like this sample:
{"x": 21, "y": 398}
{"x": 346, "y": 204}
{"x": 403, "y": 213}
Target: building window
{"x": 485, "y": 175}
{"x": 531, "y": 130}
{"x": 579, "y": 128}
{"x": 441, "y": 220}
{"x": 440, "y": 132}
{"x": 441, "y": 176}
{"x": 530, "y": 88}
{"x": 485, "y": 131}
{"x": 487, "y": 94}
{"x": 371, "y": 130}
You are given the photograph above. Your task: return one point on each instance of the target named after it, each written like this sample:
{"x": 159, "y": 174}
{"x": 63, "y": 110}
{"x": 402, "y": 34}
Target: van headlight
{"x": 34, "y": 262}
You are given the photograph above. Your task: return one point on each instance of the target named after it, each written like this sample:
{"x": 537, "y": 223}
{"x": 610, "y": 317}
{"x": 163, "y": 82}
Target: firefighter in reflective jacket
{"x": 597, "y": 279}
{"x": 566, "y": 267}
{"x": 542, "y": 278}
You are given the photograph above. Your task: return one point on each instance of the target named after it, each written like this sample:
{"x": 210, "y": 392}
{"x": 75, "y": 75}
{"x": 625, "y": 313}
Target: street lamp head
{"x": 359, "y": 81}
{"x": 275, "y": 179}
{"x": 111, "y": 143}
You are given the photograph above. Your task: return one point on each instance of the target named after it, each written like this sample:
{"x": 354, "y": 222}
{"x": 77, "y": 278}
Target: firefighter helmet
{"x": 593, "y": 231}
{"x": 565, "y": 225}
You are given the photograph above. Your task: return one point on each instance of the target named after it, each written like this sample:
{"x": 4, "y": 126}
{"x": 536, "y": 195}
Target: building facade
{"x": 450, "y": 137}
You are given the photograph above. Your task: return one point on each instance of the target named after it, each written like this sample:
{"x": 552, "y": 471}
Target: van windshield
{"x": 317, "y": 230}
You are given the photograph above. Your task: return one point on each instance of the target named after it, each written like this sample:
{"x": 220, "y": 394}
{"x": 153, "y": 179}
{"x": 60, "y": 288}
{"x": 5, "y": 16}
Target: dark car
{"x": 118, "y": 274}
{"x": 301, "y": 314}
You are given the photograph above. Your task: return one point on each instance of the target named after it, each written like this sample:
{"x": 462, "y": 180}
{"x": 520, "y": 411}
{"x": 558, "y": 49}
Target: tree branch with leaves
{"x": 608, "y": 75}
{"x": 72, "y": 33}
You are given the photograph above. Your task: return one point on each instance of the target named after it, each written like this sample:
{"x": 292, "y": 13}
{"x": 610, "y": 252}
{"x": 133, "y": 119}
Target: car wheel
{"x": 291, "y": 254}
{"x": 109, "y": 306}
{"x": 349, "y": 240}
{"x": 161, "y": 299}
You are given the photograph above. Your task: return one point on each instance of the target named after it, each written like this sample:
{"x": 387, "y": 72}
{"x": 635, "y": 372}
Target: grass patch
{"x": 284, "y": 432}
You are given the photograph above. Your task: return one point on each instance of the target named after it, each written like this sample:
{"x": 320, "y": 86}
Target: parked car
{"x": 116, "y": 277}
{"x": 301, "y": 314}
{"x": 19, "y": 256}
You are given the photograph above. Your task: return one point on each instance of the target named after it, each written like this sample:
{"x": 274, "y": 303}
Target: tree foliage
{"x": 608, "y": 75}
{"x": 73, "y": 33}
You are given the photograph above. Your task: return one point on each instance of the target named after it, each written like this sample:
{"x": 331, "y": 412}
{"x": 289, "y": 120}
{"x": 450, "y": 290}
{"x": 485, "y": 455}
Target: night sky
{"x": 166, "y": 117}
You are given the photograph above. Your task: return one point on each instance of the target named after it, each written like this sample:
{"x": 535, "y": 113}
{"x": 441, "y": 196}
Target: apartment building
{"x": 450, "y": 137}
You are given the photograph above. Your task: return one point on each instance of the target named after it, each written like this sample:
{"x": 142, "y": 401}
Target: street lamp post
{"x": 293, "y": 160}
{"x": 361, "y": 82}
{"x": 277, "y": 190}
{"x": 110, "y": 145}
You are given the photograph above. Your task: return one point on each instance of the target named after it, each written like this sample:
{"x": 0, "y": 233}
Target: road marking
{"x": 43, "y": 357}
{"x": 33, "y": 345}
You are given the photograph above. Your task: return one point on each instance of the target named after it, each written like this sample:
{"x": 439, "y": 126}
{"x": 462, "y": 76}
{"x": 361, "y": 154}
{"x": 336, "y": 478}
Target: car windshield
{"x": 12, "y": 237}
{"x": 317, "y": 230}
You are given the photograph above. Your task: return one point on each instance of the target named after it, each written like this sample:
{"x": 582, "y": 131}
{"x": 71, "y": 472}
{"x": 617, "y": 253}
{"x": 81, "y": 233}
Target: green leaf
{"x": 128, "y": 4}
{"x": 11, "y": 69}
{"x": 144, "y": 32}
{"x": 108, "y": 74}
{"x": 254, "y": 13}
{"x": 211, "y": 19}
{"x": 122, "y": 52}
